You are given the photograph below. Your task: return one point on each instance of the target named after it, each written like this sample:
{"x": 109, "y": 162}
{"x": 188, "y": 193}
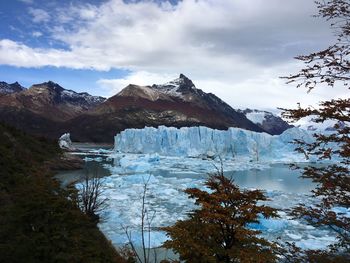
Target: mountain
{"x": 49, "y": 100}
{"x": 268, "y": 121}
{"x": 49, "y": 110}
{"x": 177, "y": 103}
{"x": 43, "y": 108}
{"x": 6, "y": 88}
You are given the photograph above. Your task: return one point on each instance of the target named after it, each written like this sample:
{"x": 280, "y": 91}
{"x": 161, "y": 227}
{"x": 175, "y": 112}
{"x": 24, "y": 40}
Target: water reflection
{"x": 279, "y": 177}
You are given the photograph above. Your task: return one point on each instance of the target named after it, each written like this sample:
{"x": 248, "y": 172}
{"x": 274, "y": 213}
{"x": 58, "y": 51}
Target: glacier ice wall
{"x": 205, "y": 142}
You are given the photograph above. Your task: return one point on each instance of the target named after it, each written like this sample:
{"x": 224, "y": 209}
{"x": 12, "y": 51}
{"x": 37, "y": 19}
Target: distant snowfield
{"x": 172, "y": 160}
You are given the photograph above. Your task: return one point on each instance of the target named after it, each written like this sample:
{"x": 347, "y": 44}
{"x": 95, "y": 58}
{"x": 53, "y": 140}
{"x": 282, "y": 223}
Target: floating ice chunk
{"x": 294, "y": 236}
{"x": 96, "y": 159}
{"x": 130, "y": 163}
{"x": 269, "y": 224}
{"x": 101, "y": 151}
{"x": 342, "y": 211}
{"x": 316, "y": 243}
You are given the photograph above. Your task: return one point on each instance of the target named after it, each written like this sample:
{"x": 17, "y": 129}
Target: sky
{"x": 236, "y": 49}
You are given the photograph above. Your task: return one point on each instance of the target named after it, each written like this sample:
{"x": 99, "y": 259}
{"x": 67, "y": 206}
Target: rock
{"x": 66, "y": 161}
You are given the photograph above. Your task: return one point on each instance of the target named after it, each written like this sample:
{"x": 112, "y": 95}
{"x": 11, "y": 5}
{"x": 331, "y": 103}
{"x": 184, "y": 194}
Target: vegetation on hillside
{"x": 39, "y": 222}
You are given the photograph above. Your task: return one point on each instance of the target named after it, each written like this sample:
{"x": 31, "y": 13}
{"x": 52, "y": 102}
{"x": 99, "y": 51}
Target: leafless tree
{"x": 90, "y": 199}
{"x": 147, "y": 218}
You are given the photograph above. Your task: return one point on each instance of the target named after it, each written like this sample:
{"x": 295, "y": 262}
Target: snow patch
{"x": 256, "y": 117}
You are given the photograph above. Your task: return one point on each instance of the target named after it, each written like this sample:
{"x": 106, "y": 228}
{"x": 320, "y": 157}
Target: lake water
{"x": 166, "y": 199}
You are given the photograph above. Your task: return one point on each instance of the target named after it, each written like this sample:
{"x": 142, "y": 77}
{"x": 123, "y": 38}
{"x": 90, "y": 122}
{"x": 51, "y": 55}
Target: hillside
{"x": 268, "y": 121}
{"x": 49, "y": 100}
{"x": 6, "y": 88}
{"x": 38, "y": 222}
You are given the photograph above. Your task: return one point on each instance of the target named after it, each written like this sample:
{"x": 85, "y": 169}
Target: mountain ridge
{"x": 7, "y": 88}
{"x": 47, "y": 109}
{"x": 50, "y": 100}
{"x": 268, "y": 121}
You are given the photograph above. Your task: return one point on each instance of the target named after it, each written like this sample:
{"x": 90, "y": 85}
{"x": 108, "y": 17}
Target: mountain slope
{"x": 51, "y": 101}
{"x": 6, "y": 88}
{"x": 268, "y": 121}
{"x": 43, "y": 108}
{"x": 177, "y": 103}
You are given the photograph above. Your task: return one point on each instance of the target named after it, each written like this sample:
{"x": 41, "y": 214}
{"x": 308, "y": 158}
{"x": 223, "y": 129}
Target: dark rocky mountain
{"x": 6, "y": 88}
{"x": 177, "y": 103}
{"x": 44, "y": 108}
{"x": 49, "y": 100}
{"x": 268, "y": 121}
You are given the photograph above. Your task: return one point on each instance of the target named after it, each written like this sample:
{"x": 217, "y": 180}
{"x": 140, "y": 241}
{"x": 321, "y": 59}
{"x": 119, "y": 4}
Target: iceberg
{"x": 65, "y": 142}
{"x": 204, "y": 142}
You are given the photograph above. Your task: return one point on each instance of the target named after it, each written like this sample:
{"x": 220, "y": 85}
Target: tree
{"x": 218, "y": 231}
{"x": 147, "y": 218}
{"x": 89, "y": 197}
{"x": 330, "y": 67}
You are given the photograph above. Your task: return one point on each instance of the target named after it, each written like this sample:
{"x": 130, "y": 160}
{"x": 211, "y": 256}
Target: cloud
{"x": 263, "y": 91}
{"x": 29, "y": 2}
{"x": 233, "y": 48}
{"x": 143, "y": 78}
{"x": 20, "y": 55}
{"x": 37, "y": 34}
{"x": 223, "y": 35}
{"x": 39, "y": 15}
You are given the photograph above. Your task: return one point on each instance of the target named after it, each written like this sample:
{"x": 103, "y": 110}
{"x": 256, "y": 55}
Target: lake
{"x": 123, "y": 183}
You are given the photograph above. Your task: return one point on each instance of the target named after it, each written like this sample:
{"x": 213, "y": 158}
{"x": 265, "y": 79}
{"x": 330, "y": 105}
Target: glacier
{"x": 173, "y": 159}
{"x": 204, "y": 142}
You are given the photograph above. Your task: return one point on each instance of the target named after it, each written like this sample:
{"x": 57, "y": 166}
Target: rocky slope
{"x": 6, "y": 88}
{"x": 268, "y": 121}
{"x": 51, "y": 101}
{"x": 177, "y": 103}
{"x": 43, "y": 108}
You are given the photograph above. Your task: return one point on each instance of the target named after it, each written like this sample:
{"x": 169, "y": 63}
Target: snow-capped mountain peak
{"x": 6, "y": 88}
{"x": 62, "y": 95}
{"x": 177, "y": 87}
{"x": 181, "y": 87}
{"x": 270, "y": 122}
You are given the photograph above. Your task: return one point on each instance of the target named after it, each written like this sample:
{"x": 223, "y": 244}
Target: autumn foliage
{"x": 329, "y": 67}
{"x": 218, "y": 230}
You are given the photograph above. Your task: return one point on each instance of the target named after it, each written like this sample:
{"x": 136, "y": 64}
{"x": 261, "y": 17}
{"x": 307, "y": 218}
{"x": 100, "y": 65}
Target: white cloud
{"x": 234, "y": 48}
{"x": 263, "y": 91}
{"x": 39, "y": 15}
{"x": 29, "y": 2}
{"x": 20, "y": 55}
{"x": 37, "y": 34}
{"x": 143, "y": 78}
